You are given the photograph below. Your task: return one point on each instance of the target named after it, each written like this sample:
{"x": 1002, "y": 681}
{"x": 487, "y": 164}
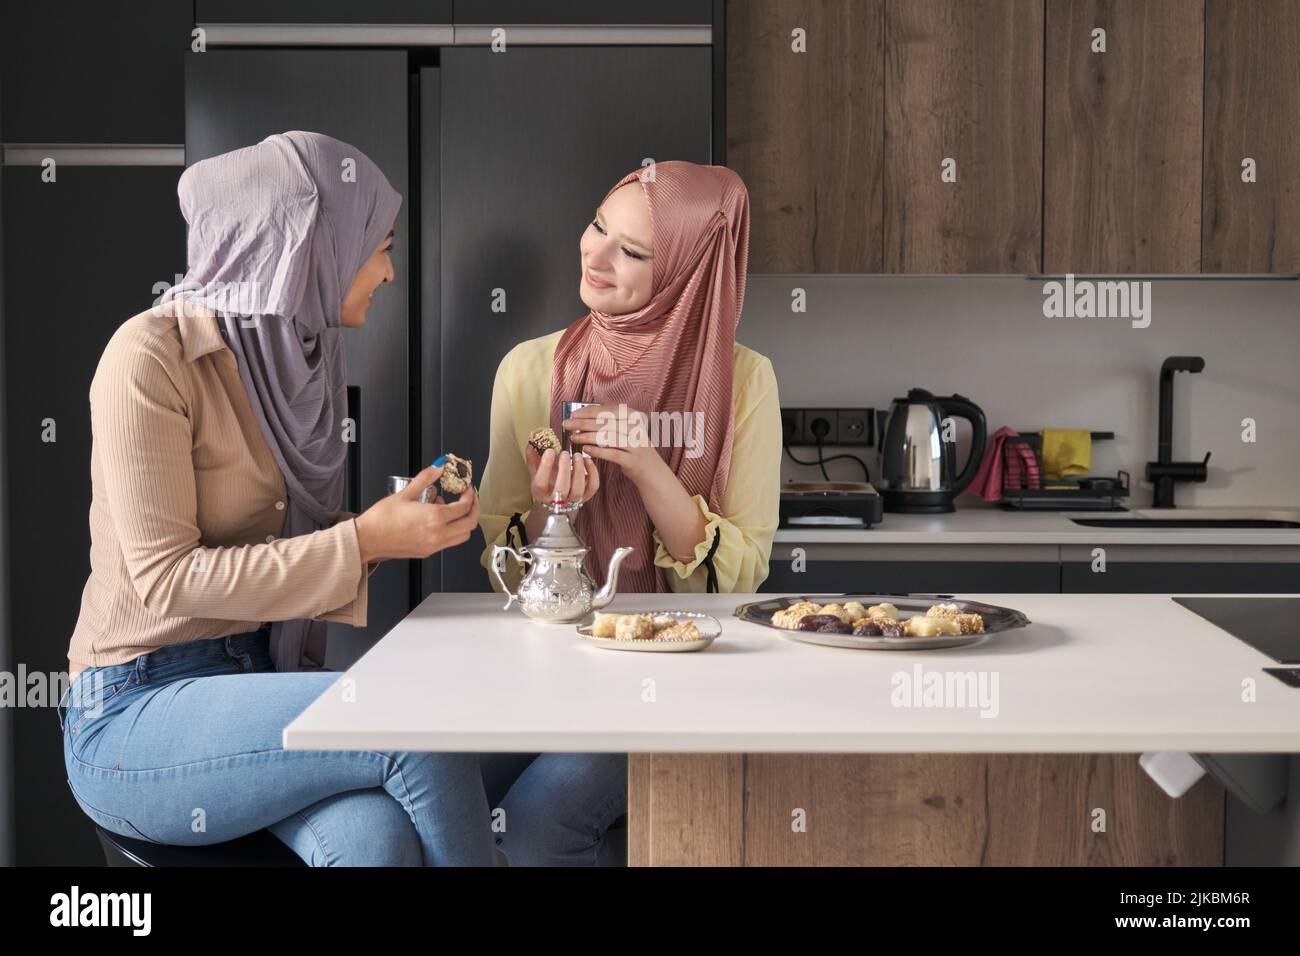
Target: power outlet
{"x": 820, "y": 426}
{"x": 791, "y": 426}
{"x": 842, "y": 426}
{"x": 853, "y": 427}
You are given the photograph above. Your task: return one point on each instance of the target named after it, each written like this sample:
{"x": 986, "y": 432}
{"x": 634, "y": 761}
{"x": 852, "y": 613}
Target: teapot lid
{"x": 557, "y": 534}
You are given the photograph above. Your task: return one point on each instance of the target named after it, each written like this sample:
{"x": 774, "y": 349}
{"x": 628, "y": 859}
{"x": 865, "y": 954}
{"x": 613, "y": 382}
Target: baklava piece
{"x": 634, "y": 627}
{"x": 789, "y": 617}
{"x": 930, "y": 627}
{"x": 679, "y": 632}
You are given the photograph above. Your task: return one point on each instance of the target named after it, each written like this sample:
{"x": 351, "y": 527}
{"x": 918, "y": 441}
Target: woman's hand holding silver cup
{"x": 413, "y": 523}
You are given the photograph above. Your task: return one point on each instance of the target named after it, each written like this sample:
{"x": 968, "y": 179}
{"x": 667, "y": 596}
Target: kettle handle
{"x": 963, "y": 407}
{"x": 499, "y": 553}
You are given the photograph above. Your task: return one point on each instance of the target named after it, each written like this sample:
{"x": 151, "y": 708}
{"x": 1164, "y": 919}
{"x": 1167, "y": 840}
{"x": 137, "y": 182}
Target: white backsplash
{"x": 866, "y": 339}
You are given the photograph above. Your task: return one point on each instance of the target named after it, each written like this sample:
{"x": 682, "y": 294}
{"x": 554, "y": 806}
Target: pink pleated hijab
{"x": 673, "y": 354}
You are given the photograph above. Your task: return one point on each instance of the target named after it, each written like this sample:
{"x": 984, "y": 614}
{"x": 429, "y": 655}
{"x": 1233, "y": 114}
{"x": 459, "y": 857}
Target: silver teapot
{"x": 556, "y": 589}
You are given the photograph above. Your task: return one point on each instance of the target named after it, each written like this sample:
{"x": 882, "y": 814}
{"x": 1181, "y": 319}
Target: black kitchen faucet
{"x": 1164, "y": 471}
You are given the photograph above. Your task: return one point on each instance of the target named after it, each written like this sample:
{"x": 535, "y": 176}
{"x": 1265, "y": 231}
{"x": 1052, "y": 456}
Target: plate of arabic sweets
{"x": 882, "y": 621}
{"x": 657, "y": 631}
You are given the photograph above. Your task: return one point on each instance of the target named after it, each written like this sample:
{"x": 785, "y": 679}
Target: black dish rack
{"x": 1093, "y": 494}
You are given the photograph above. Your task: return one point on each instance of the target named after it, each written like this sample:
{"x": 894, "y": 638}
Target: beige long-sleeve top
{"x": 187, "y": 504}
{"x": 750, "y": 510}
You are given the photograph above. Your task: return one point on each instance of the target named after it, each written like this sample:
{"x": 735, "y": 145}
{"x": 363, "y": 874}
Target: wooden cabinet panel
{"x": 1122, "y": 153}
{"x": 1252, "y": 99}
{"x": 963, "y": 81}
{"x": 805, "y": 130}
{"x": 917, "y": 810}
{"x": 685, "y": 809}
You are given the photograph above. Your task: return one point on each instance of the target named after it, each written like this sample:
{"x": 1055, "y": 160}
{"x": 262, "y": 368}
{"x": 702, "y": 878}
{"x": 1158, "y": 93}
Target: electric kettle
{"x": 918, "y": 452}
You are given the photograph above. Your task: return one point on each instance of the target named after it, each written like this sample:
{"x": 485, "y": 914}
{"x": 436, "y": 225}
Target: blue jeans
{"x": 557, "y": 808}
{"x": 183, "y": 746}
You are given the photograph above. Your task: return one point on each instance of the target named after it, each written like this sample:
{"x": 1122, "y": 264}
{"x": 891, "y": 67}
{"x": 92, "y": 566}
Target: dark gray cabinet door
{"x": 86, "y": 71}
{"x": 234, "y": 98}
{"x": 82, "y": 255}
{"x": 322, "y": 11}
{"x": 906, "y": 577}
{"x": 531, "y": 141}
{"x": 1135, "y": 577}
{"x": 583, "y": 11}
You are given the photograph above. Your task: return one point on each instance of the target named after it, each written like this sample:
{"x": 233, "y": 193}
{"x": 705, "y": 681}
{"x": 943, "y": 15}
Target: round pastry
{"x": 950, "y": 611}
{"x": 836, "y": 627}
{"x": 634, "y": 627}
{"x": 838, "y": 610}
{"x": 867, "y": 628}
{"x": 815, "y": 622}
{"x": 457, "y": 474}
{"x": 855, "y": 610}
{"x": 604, "y": 625}
{"x": 886, "y": 611}
{"x": 970, "y": 623}
{"x": 890, "y": 628}
{"x": 543, "y": 438}
{"x": 663, "y": 621}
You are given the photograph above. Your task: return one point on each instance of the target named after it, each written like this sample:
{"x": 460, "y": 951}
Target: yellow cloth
{"x": 521, "y": 398}
{"x": 1066, "y": 451}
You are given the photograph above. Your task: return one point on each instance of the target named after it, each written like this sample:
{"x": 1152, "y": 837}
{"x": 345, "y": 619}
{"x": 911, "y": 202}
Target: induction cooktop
{"x": 1271, "y": 625}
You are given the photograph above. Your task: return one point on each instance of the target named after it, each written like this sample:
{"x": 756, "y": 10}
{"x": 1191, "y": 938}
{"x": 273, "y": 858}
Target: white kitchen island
{"x": 734, "y": 746}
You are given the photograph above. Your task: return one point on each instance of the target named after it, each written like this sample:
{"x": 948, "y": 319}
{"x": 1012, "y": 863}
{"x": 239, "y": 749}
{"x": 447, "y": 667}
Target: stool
{"x": 257, "y": 849}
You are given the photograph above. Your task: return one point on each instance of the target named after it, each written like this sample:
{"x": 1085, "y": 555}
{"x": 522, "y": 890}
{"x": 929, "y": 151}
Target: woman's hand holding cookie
{"x": 562, "y": 475}
{"x": 402, "y": 526}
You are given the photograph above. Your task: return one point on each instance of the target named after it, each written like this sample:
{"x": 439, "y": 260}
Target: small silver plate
{"x": 708, "y": 625}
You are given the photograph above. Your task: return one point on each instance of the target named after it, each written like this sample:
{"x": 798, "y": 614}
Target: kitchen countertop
{"x": 1122, "y": 673}
{"x": 975, "y": 524}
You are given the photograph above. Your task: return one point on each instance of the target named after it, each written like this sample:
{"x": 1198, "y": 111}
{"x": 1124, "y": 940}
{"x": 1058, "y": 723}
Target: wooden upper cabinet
{"x": 1122, "y": 147}
{"x": 1252, "y": 101}
{"x": 805, "y": 130}
{"x": 963, "y": 82}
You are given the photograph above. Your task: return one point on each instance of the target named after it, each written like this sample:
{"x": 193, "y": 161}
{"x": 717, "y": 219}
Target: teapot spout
{"x": 610, "y": 587}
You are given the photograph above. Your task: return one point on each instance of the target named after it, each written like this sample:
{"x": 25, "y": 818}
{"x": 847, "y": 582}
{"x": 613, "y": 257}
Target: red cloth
{"x": 1006, "y": 465}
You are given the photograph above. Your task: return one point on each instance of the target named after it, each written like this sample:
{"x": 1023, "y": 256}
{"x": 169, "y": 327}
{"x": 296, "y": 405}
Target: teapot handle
{"x": 499, "y": 553}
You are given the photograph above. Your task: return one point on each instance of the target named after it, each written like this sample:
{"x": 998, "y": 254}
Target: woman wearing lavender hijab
{"x": 218, "y": 550}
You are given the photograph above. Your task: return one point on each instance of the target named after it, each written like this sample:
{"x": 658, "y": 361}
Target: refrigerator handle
{"x": 352, "y": 481}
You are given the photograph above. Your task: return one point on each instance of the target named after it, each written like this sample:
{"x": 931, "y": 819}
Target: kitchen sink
{"x": 1142, "y": 524}
{"x": 1204, "y": 518}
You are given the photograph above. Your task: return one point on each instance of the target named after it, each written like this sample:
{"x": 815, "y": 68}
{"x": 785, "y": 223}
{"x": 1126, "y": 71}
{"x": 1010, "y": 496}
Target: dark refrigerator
{"x": 501, "y": 160}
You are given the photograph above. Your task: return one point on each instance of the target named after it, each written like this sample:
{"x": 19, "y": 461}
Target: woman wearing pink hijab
{"x": 663, "y": 276}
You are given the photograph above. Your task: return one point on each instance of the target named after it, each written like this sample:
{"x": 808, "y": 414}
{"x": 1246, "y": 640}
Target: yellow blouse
{"x": 521, "y": 399}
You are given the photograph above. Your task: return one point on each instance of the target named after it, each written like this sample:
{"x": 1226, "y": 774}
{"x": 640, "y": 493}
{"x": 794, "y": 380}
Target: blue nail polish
{"x": 439, "y": 461}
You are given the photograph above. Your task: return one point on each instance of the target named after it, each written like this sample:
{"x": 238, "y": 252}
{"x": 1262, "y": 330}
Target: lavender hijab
{"x": 277, "y": 232}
